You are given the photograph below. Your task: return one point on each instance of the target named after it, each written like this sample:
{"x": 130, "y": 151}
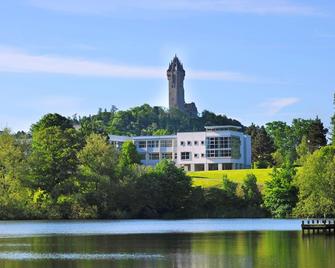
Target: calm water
{"x": 191, "y": 243}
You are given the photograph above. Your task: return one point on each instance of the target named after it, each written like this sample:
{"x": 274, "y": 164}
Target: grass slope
{"x": 209, "y": 179}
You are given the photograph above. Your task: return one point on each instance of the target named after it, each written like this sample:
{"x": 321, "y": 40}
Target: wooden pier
{"x": 318, "y": 226}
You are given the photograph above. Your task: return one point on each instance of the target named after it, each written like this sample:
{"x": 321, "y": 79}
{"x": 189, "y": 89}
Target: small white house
{"x": 217, "y": 148}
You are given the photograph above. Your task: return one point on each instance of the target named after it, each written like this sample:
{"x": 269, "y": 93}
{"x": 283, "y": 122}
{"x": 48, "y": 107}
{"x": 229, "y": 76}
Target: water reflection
{"x": 225, "y": 249}
{"x": 19, "y": 256}
{"x": 195, "y": 243}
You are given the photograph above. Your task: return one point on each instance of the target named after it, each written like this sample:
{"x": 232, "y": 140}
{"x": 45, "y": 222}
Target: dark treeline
{"x": 66, "y": 168}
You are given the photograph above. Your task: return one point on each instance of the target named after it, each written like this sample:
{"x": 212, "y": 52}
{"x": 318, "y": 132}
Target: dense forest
{"x": 65, "y": 168}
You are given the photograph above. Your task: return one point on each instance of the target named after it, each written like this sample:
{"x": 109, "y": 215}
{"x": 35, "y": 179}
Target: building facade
{"x": 176, "y": 76}
{"x": 217, "y": 148}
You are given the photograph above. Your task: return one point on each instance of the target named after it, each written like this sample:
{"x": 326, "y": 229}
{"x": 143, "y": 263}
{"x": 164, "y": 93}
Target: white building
{"x": 217, "y": 148}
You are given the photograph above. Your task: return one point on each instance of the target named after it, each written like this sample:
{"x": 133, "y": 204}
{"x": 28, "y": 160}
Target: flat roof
{"x": 125, "y": 138}
{"x": 154, "y": 137}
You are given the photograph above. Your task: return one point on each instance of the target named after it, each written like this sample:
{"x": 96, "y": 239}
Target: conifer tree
{"x": 317, "y": 135}
{"x": 262, "y": 146}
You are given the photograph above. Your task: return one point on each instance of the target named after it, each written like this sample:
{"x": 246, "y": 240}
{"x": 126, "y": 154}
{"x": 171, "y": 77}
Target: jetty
{"x": 318, "y": 226}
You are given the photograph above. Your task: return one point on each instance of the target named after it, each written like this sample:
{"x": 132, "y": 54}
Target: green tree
{"x": 287, "y": 137}
{"x": 223, "y": 202}
{"x": 229, "y": 187}
{"x": 15, "y": 202}
{"x": 128, "y": 155}
{"x": 211, "y": 119}
{"x": 161, "y": 192}
{"x": 316, "y": 183}
{"x": 252, "y": 197}
{"x": 97, "y": 169}
{"x": 302, "y": 151}
{"x": 280, "y": 194}
{"x": 300, "y": 128}
{"x": 160, "y": 132}
{"x": 97, "y": 123}
{"x": 262, "y": 146}
{"x": 251, "y": 193}
{"x": 53, "y": 160}
{"x": 281, "y": 134}
{"x": 52, "y": 120}
{"x": 316, "y": 137}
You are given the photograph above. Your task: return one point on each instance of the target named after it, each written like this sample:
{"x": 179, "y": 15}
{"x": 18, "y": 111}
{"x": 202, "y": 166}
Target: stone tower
{"x": 176, "y": 76}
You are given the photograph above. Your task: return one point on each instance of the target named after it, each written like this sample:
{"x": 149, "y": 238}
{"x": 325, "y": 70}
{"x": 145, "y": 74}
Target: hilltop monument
{"x": 176, "y": 76}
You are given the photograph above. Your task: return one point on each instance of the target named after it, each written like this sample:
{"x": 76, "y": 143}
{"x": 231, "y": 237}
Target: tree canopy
{"x": 316, "y": 183}
{"x": 280, "y": 194}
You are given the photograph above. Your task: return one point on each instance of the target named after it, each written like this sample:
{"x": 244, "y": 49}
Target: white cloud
{"x": 15, "y": 61}
{"x": 275, "y": 106}
{"x": 109, "y": 7}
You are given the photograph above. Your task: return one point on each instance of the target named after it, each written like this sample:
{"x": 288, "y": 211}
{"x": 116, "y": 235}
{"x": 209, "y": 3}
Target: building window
{"x": 189, "y": 143}
{"x": 202, "y": 155}
{"x": 175, "y": 156}
{"x": 218, "y": 147}
{"x": 142, "y": 144}
{"x": 154, "y": 156}
{"x": 153, "y": 144}
{"x": 166, "y": 143}
{"x": 196, "y": 143}
{"x": 202, "y": 142}
{"x": 218, "y": 153}
{"x": 167, "y": 156}
{"x": 235, "y": 147}
{"x": 185, "y": 156}
{"x": 182, "y": 143}
{"x": 196, "y": 155}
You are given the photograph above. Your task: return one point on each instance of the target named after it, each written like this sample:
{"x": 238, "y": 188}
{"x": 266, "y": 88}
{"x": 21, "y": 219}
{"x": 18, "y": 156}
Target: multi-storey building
{"x": 217, "y": 148}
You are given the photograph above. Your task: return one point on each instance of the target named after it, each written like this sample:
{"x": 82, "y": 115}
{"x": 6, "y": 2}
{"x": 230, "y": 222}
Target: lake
{"x": 152, "y": 243}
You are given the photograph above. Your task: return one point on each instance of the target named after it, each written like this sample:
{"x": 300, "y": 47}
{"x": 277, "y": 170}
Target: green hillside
{"x": 208, "y": 179}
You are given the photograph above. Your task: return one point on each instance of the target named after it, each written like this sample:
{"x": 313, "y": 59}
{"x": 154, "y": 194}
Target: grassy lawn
{"x": 208, "y": 179}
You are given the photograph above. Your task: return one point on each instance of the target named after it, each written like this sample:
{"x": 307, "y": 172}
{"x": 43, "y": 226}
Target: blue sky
{"x": 253, "y": 60}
